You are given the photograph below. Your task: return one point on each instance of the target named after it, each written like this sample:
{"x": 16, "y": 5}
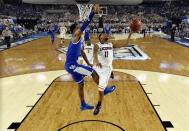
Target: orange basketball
{"x": 135, "y": 25}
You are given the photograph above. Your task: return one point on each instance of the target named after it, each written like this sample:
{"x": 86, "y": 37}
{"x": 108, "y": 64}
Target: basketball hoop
{"x": 84, "y": 11}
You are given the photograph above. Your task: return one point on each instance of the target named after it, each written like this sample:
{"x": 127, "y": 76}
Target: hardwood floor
{"x": 40, "y": 55}
{"x": 127, "y": 107}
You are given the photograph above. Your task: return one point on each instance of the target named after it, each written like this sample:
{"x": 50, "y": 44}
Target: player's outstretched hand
{"x": 96, "y": 8}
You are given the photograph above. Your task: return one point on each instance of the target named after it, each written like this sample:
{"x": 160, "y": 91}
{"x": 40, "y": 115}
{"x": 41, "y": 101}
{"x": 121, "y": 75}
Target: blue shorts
{"x": 78, "y": 71}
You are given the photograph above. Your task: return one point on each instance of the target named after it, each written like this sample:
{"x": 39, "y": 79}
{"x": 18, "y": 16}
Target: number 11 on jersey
{"x": 106, "y": 54}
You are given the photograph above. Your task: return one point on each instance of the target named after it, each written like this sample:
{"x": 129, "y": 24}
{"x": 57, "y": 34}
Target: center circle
{"x": 92, "y": 125}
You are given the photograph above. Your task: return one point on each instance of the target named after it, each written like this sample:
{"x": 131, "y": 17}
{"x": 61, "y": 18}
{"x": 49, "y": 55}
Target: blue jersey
{"x": 77, "y": 71}
{"x": 74, "y": 51}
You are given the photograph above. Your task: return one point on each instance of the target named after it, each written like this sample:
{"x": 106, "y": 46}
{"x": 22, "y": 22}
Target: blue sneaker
{"x": 86, "y": 107}
{"x": 109, "y": 90}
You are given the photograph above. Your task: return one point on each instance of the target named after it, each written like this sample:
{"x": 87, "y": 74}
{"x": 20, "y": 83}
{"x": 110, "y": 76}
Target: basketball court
{"x": 151, "y": 76}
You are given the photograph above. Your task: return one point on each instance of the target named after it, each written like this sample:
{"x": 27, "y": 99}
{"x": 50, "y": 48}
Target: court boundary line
{"x": 152, "y": 106}
{"x": 37, "y": 102}
{"x": 65, "y": 81}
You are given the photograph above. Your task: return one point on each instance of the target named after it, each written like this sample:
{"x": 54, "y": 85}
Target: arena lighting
{"x": 111, "y": 2}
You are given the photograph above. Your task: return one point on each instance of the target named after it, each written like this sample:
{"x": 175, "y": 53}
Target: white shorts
{"x": 62, "y": 35}
{"x": 104, "y": 76}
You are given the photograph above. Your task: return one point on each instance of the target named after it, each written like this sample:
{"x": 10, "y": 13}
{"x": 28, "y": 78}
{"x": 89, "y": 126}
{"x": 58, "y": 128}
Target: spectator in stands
{"x": 173, "y": 31}
{"x": 118, "y": 17}
{"x": 7, "y": 35}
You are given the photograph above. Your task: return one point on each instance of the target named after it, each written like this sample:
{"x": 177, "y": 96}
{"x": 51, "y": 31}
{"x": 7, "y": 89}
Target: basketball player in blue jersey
{"x": 78, "y": 71}
{"x": 51, "y": 32}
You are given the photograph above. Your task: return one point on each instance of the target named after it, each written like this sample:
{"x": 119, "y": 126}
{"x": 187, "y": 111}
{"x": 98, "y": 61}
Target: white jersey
{"x": 105, "y": 54}
{"x": 63, "y": 30}
{"x": 105, "y": 57}
{"x": 89, "y": 49}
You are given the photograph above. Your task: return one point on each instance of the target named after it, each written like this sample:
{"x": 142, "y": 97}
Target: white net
{"x": 84, "y": 11}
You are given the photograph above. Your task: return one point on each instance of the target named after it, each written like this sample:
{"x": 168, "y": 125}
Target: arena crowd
{"x": 26, "y": 19}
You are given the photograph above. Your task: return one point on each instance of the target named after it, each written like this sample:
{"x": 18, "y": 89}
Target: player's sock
{"x": 97, "y": 109}
{"x": 83, "y": 103}
{"x": 109, "y": 90}
{"x": 85, "y": 106}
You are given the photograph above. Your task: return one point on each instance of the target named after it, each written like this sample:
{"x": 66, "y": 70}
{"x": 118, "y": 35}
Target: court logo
{"x": 132, "y": 52}
{"x": 72, "y": 67}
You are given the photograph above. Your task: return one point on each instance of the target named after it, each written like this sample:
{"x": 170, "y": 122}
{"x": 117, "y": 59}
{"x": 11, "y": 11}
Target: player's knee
{"x": 95, "y": 77}
{"x": 81, "y": 84}
{"x": 101, "y": 88}
{"x": 95, "y": 74}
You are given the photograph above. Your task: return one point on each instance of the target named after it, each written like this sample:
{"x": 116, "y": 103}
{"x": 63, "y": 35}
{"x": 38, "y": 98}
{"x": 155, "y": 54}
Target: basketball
{"x": 135, "y": 25}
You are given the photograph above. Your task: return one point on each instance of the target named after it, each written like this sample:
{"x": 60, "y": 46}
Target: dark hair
{"x": 72, "y": 28}
{"x": 100, "y": 34}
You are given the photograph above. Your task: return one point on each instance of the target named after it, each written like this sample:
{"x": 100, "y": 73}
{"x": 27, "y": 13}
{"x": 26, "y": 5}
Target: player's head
{"x": 74, "y": 27}
{"x": 103, "y": 37}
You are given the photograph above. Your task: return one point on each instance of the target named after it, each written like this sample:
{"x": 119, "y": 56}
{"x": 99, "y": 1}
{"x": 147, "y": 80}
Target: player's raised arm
{"x": 121, "y": 44}
{"x": 77, "y": 34}
{"x": 135, "y": 26}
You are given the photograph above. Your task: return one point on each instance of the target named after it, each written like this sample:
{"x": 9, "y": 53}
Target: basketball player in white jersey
{"x": 103, "y": 58}
{"x": 88, "y": 49}
{"x": 63, "y": 31}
